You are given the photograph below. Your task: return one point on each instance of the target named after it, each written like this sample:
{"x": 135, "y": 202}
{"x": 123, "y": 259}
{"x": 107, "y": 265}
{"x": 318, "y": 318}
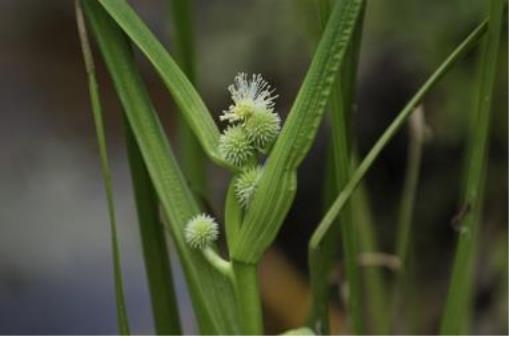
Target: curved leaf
{"x": 122, "y": 319}
{"x": 187, "y": 98}
{"x": 389, "y": 133}
{"x": 211, "y": 292}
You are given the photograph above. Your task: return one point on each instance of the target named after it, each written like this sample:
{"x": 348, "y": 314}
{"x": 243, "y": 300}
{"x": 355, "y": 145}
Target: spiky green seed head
{"x": 245, "y": 185}
{"x": 262, "y": 128}
{"x": 234, "y": 146}
{"x": 201, "y": 231}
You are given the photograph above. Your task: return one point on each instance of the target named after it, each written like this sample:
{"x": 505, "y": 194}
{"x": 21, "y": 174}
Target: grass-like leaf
{"x": 191, "y": 155}
{"x": 375, "y": 295}
{"x": 365, "y": 165}
{"x": 458, "y": 304}
{"x": 211, "y": 292}
{"x": 157, "y": 262}
{"x": 341, "y": 103}
{"x": 122, "y": 318}
{"x": 185, "y": 95}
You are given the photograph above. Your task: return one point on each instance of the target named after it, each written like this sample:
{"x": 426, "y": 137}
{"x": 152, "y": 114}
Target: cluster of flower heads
{"x": 253, "y": 125}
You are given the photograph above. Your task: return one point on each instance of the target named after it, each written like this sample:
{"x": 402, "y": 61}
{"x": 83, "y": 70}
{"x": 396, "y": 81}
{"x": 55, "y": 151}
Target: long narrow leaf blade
{"x": 155, "y": 252}
{"x": 375, "y": 295}
{"x": 184, "y": 93}
{"x": 193, "y": 161}
{"x": 458, "y": 300}
{"x": 389, "y": 133}
{"x": 211, "y": 292}
{"x": 341, "y": 103}
{"x": 122, "y": 319}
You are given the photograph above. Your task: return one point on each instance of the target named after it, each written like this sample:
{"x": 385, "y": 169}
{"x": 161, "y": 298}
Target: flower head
{"x": 262, "y": 128}
{"x": 248, "y": 96}
{"x": 201, "y": 231}
{"x": 234, "y": 146}
{"x": 245, "y": 185}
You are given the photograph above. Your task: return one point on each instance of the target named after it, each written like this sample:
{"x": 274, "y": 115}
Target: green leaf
{"x": 459, "y": 299}
{"x": 187, "y": 98}
{"x": 277, "y": 185}
{"x": 191, "y": 155}
{"x": 157, "y": 262}
{"x": 375, "y": 295}
{"x": 211, "y": 292}
{"x": 341, "y": 104}
{"x": 365, "y": 165}
{"x": 122, "y": 319}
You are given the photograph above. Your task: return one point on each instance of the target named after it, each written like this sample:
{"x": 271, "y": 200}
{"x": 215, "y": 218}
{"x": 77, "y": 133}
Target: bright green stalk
{"x": 389, "y": 133}
{"x": 248, "y": 298}
{"x": 122, "y": 319}
{"x": 192, "y": 157}
{"x": 458, "y": 300}
{"x": 157, "y": 263}
{"x": 211, "y": 292}
{"x": 341, "y": 103}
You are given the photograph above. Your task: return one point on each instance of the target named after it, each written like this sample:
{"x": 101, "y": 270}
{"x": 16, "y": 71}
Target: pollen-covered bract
{"x": 235, "y": 147}
{"x": 248, "y": 95}
{"x": 245, "y": 185}
{"x": 201, "y": 231}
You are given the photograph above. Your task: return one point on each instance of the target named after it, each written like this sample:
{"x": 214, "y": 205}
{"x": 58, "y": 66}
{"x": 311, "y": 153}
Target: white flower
{"x": 248, "y": 96}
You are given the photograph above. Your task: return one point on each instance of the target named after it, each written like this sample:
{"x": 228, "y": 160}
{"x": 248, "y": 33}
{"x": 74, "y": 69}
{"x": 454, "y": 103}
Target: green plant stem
{"x": 389, "y": 133}
{"x": 122, "y": 319}
{"x": 216, "y": 261}
{"x": 248, "y": 298}
{"x": 458, "y": 304}
{"x": 155, "y": 253}
{"x": 375, "y": 295}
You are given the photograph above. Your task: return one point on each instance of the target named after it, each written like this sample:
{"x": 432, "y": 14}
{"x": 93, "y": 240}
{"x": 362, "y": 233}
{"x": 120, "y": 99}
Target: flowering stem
{"x": 248, "y": 298}
{"x": 222, "y": 266}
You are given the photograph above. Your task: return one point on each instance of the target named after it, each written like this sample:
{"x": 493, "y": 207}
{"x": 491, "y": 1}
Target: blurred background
{"x": 55, "y": 257}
